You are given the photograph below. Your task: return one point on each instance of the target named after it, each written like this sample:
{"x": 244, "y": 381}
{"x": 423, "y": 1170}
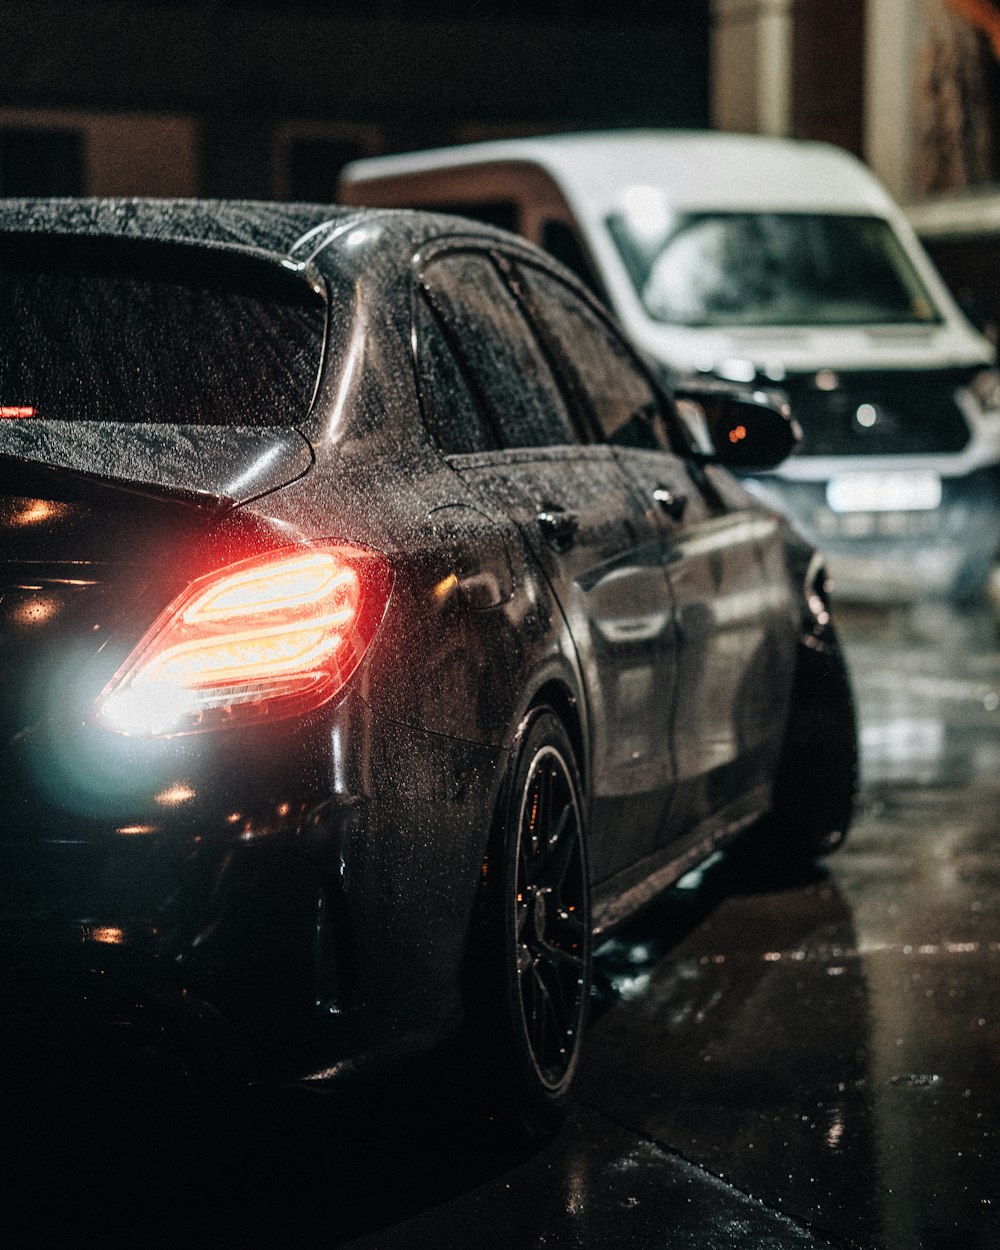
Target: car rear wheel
{"x": 535, "y": 948}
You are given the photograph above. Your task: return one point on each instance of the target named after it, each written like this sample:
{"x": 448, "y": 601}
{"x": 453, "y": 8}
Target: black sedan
{"x": 376, "y": 637}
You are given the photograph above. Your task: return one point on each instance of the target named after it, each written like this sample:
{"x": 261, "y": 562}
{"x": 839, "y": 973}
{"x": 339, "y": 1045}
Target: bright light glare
{"x": 156, "y": 707}
{"x": 647, "y": 211}
{"x": 866, "y": 415}
{"x": 241, "y": 657}
{"x": 38, "y": 511}
{"x": 36, "y": 611}
{"x": 174, "y": 795}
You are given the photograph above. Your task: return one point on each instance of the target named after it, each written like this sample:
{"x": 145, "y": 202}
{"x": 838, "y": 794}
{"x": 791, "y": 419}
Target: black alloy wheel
{"x": 549, "y": 914}
{"x": 537, "y": 932}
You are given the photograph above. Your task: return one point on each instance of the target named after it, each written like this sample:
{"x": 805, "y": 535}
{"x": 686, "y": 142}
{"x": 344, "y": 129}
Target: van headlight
{"x": 985, "y": 387}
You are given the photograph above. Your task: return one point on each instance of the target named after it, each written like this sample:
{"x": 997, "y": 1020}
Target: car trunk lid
{"x": 99, "y": 524}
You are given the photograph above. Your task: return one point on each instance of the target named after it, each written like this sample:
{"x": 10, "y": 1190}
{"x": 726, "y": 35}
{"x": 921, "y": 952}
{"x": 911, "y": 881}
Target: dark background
{"x": 277, "y": 97}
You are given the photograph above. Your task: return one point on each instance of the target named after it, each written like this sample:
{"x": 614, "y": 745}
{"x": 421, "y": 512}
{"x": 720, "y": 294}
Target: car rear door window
{"x": 454, "y": 418}
{"x": 600, "y": 367}
{"x": 505, "y": 364}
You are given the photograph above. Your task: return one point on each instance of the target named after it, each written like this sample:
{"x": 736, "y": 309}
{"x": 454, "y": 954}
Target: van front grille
{"x": 878, "y": 412}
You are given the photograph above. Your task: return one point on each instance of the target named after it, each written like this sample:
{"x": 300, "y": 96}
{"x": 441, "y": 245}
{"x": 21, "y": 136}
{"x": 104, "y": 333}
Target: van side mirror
{"x": 740, "y": 431}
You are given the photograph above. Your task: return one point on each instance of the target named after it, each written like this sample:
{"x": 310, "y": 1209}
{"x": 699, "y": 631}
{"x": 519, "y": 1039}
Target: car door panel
{"x": 610, "y": 583}
{"x": 732, "y": 607}
{"x": 727, "y": 646}
{"x": 583, "y": 524}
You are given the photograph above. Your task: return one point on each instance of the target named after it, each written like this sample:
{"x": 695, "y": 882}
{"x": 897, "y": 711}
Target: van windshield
{"x": 770, "y": 269}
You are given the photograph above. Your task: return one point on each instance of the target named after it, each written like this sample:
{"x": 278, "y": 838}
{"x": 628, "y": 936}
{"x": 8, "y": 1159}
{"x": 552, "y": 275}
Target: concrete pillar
{"x": 893, "y": 30}
{"x": 752, "y": 65}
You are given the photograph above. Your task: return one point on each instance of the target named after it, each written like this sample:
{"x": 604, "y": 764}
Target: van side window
{"x": 601, "y": 369}
{"x": 454, "y": 419}
{"x": 498, "y": 351}
{"x": 562, "y": 241}
{"x": 502, "y": 213}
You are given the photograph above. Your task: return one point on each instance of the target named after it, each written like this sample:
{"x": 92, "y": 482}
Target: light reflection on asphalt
{"x": 855, "y": 1083}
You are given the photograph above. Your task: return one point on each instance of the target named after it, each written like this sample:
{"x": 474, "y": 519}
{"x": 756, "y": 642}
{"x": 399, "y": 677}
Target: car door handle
{"x": 559, "y": 528}
{"x": 673, "y": 505}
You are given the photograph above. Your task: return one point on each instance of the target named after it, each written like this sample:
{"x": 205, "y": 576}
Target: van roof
{"x": 696, "y": 169}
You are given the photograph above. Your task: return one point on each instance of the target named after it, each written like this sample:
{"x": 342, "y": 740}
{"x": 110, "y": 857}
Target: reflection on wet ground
{"x": 811, "y": 1062}
{"x": 831, "y": 1047}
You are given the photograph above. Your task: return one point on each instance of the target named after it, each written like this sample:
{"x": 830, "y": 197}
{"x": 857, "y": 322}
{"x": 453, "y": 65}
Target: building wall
{"x": 892, "y": 32}
{"x": 108, "y": 153}
{"x": 749, "y": 95}
{"x": 912, "y": 86}
{"x": 231, "y": 97}
{"x": 783, "y": 67}
{"x": 828, "y": 72}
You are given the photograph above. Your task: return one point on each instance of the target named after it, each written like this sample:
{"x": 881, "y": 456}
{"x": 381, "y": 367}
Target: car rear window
{"x": 97, "y": 329}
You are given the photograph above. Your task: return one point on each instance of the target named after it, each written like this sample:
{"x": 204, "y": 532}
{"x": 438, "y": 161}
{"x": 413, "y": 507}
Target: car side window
{"x": 455, "y": 420}
{"x": 602, "y": 370}
{"x": 499, "y": 353}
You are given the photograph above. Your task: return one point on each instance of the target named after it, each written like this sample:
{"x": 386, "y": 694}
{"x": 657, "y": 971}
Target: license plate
{"x": 828, "y": 524}
{"x": 917, "y": 491}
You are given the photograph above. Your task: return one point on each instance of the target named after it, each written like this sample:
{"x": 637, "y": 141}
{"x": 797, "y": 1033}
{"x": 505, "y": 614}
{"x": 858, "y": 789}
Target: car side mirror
{"x": 745, "y": 432}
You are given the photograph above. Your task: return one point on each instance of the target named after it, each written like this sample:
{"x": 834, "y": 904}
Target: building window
{"x": 41, "y": 162}
{"x": 309, "y": 155}
{"x": 315, "y": 164}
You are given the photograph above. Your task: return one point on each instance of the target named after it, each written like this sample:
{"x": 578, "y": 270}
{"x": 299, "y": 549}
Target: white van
{"x": 769, "y": 264}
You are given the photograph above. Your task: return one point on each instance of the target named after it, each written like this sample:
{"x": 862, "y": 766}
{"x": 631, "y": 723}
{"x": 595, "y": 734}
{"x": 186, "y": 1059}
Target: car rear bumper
{"x": 240, "y": 913}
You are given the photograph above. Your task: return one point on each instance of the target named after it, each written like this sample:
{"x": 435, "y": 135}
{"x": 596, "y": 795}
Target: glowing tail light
{"x": 274, "y": 636}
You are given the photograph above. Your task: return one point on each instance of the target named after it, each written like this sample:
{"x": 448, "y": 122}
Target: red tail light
{"x": 273, "y": 636}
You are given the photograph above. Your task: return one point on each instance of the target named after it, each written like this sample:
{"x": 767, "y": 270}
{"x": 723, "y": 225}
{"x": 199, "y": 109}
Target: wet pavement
{"x": 833, "y": 1046}
{"x": 807, "y": 1062}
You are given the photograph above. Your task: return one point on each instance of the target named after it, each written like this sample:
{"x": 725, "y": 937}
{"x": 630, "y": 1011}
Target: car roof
{"x": 257, "y": 225}
{"x": 277, "y": 229}
{"x": 696, "y": 169}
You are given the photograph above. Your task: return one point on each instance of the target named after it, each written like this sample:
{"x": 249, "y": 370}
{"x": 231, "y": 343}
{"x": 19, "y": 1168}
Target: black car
{"x": 376, "y": 637}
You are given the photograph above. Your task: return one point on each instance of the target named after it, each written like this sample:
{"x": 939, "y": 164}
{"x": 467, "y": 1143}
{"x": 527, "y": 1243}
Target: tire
{"x": 817, "y": 777}
{"x": 532, "y": 970}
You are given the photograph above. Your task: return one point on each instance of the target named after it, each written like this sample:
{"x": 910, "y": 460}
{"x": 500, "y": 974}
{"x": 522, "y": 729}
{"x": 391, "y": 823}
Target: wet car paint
{"x": 235, "y": 891}
{"x": 219, "y": 462}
